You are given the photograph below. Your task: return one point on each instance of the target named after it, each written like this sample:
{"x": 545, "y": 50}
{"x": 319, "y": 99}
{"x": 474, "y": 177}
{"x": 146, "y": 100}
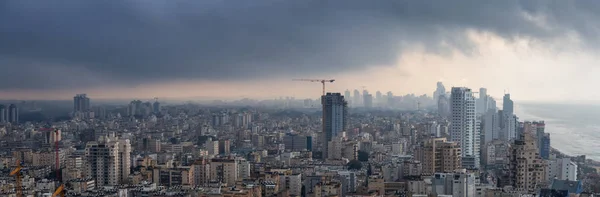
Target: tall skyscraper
{"x": 379, "y": 98}
{"x": 81, "y": 103}
{"x": 13, "y": 113}
{"x": 103, "y": 162}
{"x": 443, "y": 106}
{"x": 463, "y": 127}
{"x": 440, "y": 90}
{"x": 348, "y": 96}
{"x": 368, "y": 100}
{"x": 482, "y": 101}
{"x": 335, "y": 112}
{"x": 156, "y": 107}
{"x": 3, "y": 114}
{"x": 508, "y": 120}
{"x": 507, "y": 104}
{"x": 491, "y": 126}
{"x": 356, "y": 99}
{"x": 108, "y": 160}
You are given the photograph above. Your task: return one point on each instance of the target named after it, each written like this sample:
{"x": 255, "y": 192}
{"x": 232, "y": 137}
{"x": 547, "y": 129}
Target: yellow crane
{"x": 59, "y": 191}
{"x": 17, "y": 173}
{"x": 322, "y": 81}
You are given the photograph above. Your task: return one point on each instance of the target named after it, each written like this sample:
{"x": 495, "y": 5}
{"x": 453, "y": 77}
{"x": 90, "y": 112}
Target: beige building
{"x": 224, "y": 170}
{"x": 439, "y": 155}
{"x": 200, "y": 172}
{"x": 527, "y": 166}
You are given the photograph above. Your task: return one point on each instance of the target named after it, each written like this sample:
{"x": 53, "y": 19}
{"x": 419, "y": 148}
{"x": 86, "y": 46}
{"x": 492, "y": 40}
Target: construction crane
{"x": 17, "y": 173}
{"x": 322, "y": 81}
{"x": 59, "y": 191}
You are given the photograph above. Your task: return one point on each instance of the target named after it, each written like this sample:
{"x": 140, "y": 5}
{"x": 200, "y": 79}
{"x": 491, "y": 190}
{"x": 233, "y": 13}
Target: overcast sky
{"x": 534, "y": 49}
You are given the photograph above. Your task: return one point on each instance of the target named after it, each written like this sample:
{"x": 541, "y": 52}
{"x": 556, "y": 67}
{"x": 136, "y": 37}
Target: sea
{"x": 574, "y": 128}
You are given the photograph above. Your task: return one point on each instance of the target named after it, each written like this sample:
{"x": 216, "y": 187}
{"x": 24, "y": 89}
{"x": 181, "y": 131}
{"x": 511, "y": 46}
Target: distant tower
{"x": 156, "y": 106}
{"x": 81, "y": 103}
{"x": 347, "y": 95}
{"x": 335, "y": 111}
{"x": 13, "y": 113}
{"x": 440, "y": 90}
{"x": 464, "y": 129}
{"x": 3, "y": 114}
{"x": 356, "y": 98}
{"x": 368, "y": 100}
{"x": 507, "y": 105}
{"x": 379, "y": 98}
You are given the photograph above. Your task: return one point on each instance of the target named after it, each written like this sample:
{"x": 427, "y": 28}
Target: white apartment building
{"x": 454, "y": 184}
{"x": 562, "y": 169}
{"x": 108, "y": 160}
{"x": 463, "y": 127}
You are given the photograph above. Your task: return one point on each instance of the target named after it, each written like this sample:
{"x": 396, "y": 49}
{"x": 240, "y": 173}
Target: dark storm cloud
{"x": 77, "y": 43}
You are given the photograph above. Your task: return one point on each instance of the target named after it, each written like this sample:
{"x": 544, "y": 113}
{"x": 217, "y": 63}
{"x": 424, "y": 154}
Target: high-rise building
{"x": 390, "y": 99}
{"x": 379, "y": 98}
{"x": 348, "y": 96}
{"x": 124, "y": 159}
{"x": 463, "y": 127}
{"x": 507, "y": 104}
{"x": 356, "y": 99}
{"x": 491, "y": 126}
{"x": 443, "y": 106}
{"x": 438, "y": 155}
{"x": 103, "y": 161}
{"x": 81, "y": 103}
{"x": 527, "y": 167}
{"x": 335, "y": 112}
{"x": 156, "y": 107}
{"x": 13, "y": 113}
{"x": 561, "y": 169}
{"x": 3, "y": 114}
{"x": 439, "y": 91}
{"x": 482, "y": 101}
{"x": 368, "y": 100}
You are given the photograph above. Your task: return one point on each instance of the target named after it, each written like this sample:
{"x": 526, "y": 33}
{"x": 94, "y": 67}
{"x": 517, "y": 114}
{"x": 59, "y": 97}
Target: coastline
{"x": 590, "y": 162}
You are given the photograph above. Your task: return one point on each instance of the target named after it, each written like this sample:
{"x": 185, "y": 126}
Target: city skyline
{"x": 373, "y": 45}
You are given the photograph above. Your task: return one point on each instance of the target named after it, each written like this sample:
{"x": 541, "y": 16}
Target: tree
{"x": 354, "y": 165}
{"x": 363, "y": 156}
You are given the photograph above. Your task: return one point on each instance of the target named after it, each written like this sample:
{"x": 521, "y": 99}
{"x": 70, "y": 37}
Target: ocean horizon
{"x": 574, "y": 128}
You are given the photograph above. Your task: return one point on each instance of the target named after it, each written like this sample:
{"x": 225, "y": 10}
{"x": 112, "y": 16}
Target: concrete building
{"x": 224, "y": 170}
{"x": 496, "y": 154}
{"x": 527, "y": 167}
{"x": 81, "y": 103}
{"x": 124, "y": 159}
{"x": 3, "y": 114}
{"x": 103, "y": 161}
{"x": 458, "y": 184}
{"x": 561, "y": 169}
{"x": 438, "y": 155}
{"x": 491, "y": 126}
{"x": 463, "y": 127}
{"x": 13, "y": 114}
{"x": 335, "y": 112}
{"x": 294, "y": 142}
{"x": 201, "y": 172}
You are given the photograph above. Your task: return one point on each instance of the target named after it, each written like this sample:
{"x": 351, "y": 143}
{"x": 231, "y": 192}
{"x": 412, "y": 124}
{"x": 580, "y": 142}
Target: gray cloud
{"x": 79, "y": 43}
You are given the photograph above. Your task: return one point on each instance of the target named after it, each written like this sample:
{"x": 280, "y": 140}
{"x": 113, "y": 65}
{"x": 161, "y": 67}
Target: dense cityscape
{"x": 457, "y": 142}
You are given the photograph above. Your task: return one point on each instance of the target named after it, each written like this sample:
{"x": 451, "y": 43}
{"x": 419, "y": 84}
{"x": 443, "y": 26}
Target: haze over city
{"x": 539, "y": 50}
